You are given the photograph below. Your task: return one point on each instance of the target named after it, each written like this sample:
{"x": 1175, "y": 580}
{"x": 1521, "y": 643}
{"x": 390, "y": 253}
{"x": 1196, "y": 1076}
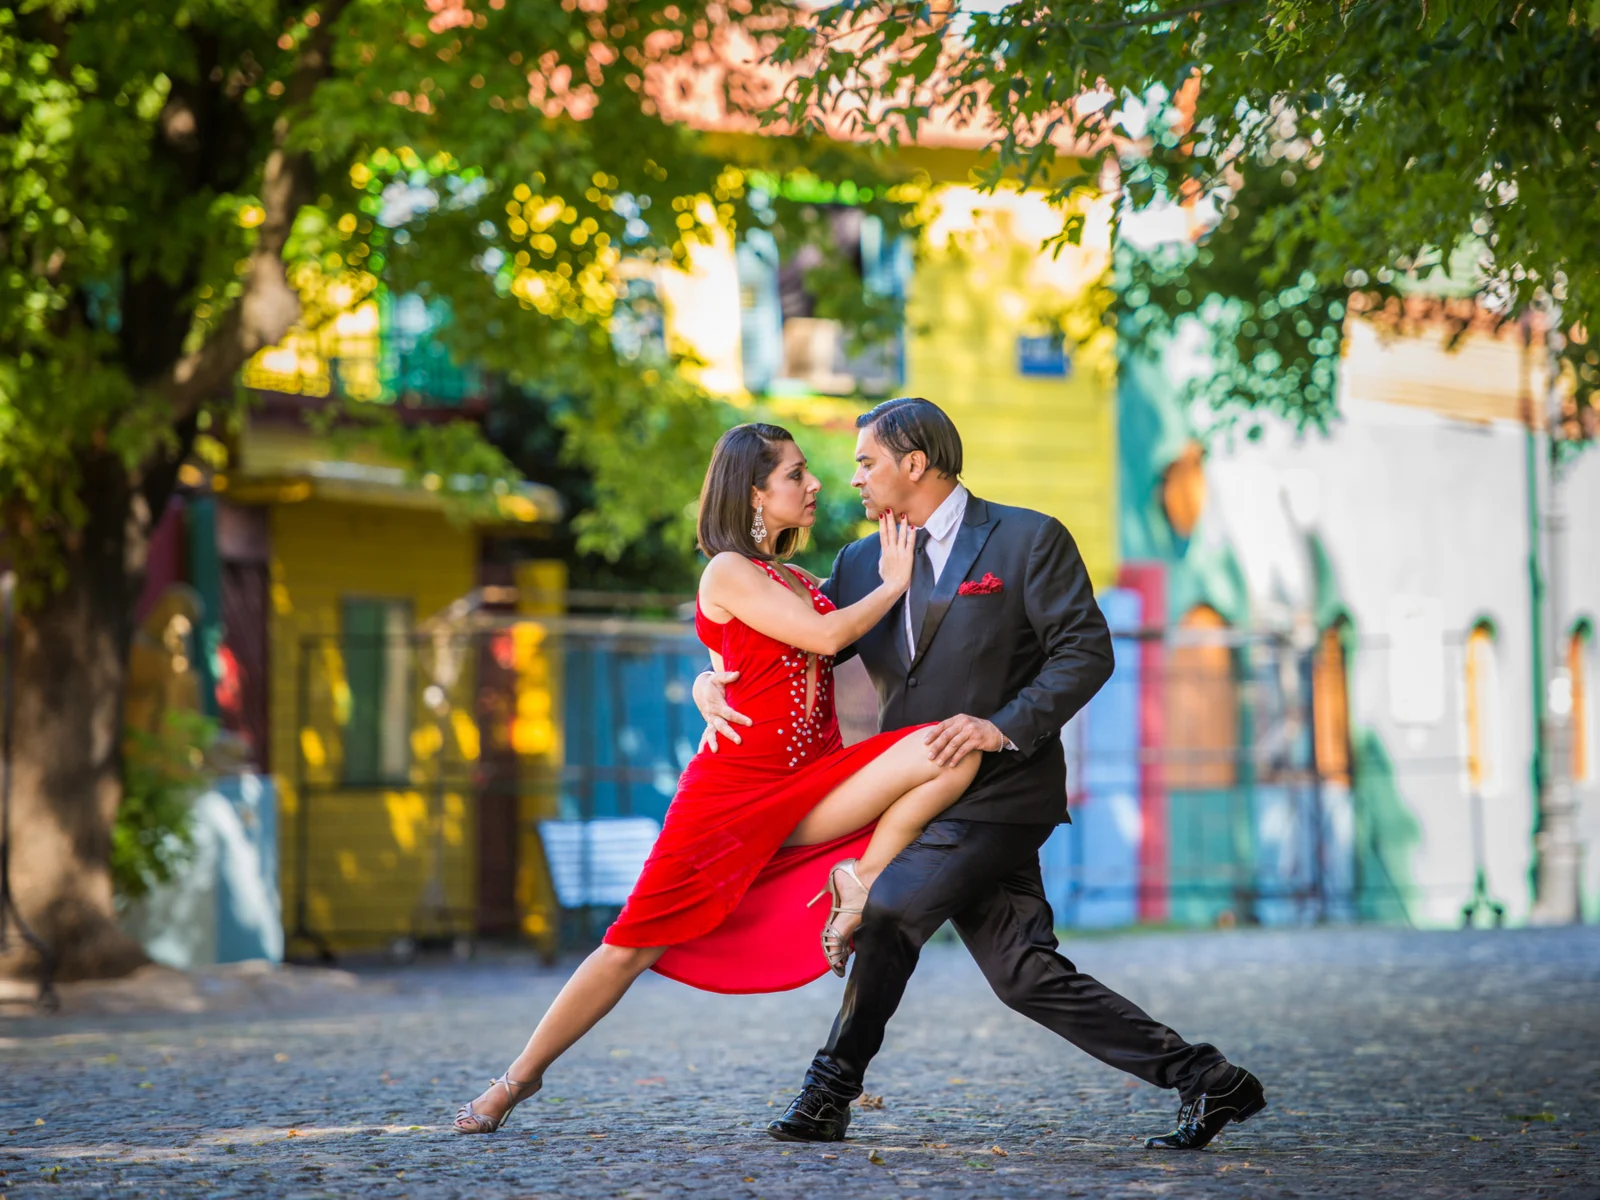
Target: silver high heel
{"x": 470, "y": 1120}
{"x": 834, "y": 947}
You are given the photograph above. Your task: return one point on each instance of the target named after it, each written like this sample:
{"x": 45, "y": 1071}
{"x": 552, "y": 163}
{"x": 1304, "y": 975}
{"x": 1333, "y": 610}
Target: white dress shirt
{"x": 941, "y": 527}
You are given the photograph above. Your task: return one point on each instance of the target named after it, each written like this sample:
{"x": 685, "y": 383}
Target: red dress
{"x": 719, "y": 887}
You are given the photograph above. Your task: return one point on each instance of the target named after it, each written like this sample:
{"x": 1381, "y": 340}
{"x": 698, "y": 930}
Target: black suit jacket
{"x": 1026, "y": 657}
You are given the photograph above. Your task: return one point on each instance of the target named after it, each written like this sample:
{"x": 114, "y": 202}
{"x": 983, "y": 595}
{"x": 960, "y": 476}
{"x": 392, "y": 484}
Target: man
{"x": 1000, "y": 641}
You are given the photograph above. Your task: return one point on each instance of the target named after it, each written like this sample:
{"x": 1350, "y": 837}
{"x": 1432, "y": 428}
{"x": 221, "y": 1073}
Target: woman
{"x": 756, "y": 829}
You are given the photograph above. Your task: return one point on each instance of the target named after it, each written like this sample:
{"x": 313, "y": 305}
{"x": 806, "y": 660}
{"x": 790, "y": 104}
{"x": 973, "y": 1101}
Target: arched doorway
{"x": 1580, "y": 649}
{"x": 1208, "y": 816}
{"x": 1202, "y": 704}
{"x": 1330, "y": 704}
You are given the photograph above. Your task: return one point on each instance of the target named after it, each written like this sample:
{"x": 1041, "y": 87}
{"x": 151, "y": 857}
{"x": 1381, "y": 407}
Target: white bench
{"x": 596, "y": 863}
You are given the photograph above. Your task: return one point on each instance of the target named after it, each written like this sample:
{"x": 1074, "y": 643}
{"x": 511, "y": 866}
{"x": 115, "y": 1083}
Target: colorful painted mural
{"x": 1396, "y": 552}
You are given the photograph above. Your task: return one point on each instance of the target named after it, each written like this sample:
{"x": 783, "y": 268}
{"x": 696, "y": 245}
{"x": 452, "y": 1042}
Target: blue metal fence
{"x": 631, "y": 725}
{"x": 1265, "y": 840}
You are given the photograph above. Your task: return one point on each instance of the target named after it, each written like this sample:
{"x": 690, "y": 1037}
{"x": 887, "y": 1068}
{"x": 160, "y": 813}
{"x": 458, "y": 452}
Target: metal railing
{"x": 1200, "y": 788}
{"x": 490, "y": 728}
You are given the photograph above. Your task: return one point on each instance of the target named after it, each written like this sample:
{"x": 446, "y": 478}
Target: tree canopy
{"x": 182, "y": 182}
{"x": 185, "y": 182}
{"x": 1448, "y": 144}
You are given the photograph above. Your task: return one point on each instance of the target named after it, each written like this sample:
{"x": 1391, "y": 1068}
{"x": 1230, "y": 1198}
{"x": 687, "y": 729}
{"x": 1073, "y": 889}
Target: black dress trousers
{"x": 984, "y": 877}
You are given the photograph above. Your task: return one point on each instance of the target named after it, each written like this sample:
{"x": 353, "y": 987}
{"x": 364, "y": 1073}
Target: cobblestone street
{"x": 1396, "y": 1064}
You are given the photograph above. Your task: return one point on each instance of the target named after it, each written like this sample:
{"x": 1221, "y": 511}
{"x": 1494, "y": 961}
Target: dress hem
{"x": 737, "y": 991}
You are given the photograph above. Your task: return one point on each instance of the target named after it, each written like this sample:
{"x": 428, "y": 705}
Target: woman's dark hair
{"x": 912, "y": 423}
{"x": 743, "y": 458}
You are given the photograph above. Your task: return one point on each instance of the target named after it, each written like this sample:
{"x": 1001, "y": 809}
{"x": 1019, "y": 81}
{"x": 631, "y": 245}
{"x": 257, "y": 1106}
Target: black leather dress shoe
{"x": 812, "y": 1116}
{"x": 1201, "y": 1119}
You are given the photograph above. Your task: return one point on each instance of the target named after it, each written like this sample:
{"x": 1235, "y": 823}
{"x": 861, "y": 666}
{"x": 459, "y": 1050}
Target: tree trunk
{"x": 72, "y": 652}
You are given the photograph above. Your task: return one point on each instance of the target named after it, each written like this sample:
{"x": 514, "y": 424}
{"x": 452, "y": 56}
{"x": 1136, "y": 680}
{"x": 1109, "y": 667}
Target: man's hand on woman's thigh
{"x": 954, "y": 738}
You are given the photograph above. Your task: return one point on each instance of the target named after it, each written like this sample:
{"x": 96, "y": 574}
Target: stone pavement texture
{"x": 1397, "y": 1064}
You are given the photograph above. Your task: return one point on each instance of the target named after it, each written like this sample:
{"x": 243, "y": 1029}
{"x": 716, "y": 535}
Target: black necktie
{"x": 921, "y": 587}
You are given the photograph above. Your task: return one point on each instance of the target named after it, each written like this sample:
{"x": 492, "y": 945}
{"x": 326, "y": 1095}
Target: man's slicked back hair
{"x": 912, "y": 423}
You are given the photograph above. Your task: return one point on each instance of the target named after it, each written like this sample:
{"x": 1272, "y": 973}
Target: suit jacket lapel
{"x": 975, "y": 529}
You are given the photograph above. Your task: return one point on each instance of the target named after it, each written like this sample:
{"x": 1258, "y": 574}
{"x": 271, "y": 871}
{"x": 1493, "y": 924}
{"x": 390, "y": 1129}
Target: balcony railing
{"x": 382, "y": 350}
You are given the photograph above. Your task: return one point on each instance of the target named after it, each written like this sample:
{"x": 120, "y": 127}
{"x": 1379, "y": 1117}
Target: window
{"x": 1580, "y": 647}
{"x": 1330, "y": 705}
{"x": 380, "y": 348}
{"x": 638, "y": 321}
{"x": 377, "y": 663}
{"x": 784, "y": 346}
{"x": 1202, "y": 704}
{"x": 1483, "y": 716}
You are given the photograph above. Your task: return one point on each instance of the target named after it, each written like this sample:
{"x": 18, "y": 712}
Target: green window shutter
{"x": 394, "y": 701}
{"x": 363, "y": 627}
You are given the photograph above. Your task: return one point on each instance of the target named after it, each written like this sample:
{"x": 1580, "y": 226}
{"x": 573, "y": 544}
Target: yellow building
{"x": 371, "y": 722}
{"x": 1038, "y": 424}
{"x": 1000, "y": 332}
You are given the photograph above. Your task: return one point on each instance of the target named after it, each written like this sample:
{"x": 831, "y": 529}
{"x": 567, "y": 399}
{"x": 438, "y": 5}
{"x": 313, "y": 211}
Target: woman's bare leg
{"x": 594, "y": 989}
{"x": 901, "y": 789}
{"x": 907, "y": 817}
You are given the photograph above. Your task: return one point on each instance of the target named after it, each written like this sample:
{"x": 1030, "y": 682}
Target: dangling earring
{"x": 758, "y": 527}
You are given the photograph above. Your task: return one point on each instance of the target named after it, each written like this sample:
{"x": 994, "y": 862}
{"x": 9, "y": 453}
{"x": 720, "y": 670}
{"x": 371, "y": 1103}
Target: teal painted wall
{"x": 1152, "y": 431}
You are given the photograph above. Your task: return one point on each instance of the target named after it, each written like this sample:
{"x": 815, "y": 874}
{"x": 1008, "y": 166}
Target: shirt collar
{"x": 948, "y": 515}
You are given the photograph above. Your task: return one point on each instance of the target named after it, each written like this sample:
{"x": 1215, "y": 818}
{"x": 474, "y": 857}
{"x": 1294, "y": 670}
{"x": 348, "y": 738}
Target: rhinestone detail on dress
{"x": 809, "y": 729}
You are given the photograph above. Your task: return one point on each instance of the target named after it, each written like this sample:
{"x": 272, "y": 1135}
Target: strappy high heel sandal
{"x": 470, "y": 1120}
{"x": 834, "y": 947}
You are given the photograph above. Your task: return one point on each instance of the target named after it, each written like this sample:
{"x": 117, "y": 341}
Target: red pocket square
{"x": 987, "y": 586}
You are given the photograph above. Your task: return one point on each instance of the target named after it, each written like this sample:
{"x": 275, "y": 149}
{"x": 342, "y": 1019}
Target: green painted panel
{"x": 362, "y": 627}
